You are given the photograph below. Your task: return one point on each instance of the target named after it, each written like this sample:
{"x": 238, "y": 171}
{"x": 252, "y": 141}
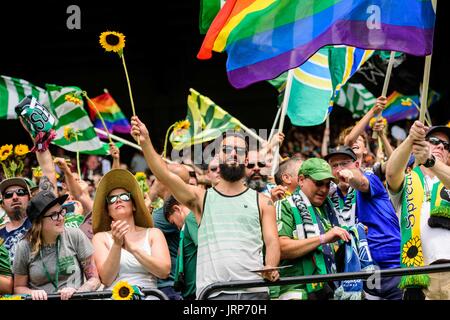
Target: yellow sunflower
{"x": 37, "y": 172}
{"x": 11, "y": 297}
{"x": 412, "y": 253}
{"x": 184, "y": 124}
{"x": 140, "y": 175}
{"x": 5, "y": 151}
{"x": 112, "y": 41}
{"x": 373, "y": 120}
{"x": 73, "y": 99}
{"x": 69, "y": 133}
{"x": 21, "y": 150}
{"x": 122, "y": 291}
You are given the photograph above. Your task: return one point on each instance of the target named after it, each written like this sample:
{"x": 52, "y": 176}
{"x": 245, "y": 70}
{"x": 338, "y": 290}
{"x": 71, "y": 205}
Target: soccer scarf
{"x": 309, "y": 224}
{"x": 346, "y": 208}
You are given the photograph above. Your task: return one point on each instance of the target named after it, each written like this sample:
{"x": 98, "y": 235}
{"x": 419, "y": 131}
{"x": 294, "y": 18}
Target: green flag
{"x": 316, "y": 83}
{"x": 356, "y": 98}
{"x": 72, "y": 115}
{"x": 12, "y": 91}
{"x": 205, "y": 121}
{"x": 208, "y": 11}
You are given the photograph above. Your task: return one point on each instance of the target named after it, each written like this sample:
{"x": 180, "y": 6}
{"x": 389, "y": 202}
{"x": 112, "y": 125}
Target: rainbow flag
{"x": 400, "y": 107}
{"x": 114, "y": 119}
{"x": 267, "y": 37}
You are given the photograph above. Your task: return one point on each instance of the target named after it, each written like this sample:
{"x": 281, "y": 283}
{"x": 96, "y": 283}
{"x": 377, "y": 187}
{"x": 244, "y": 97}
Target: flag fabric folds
{"x": 12, "y": 91}
{"x": 208, "y": 11}
{"x": 269, "y": 37}
{"x": 316, "y": 83}
{"x": 114, "y": 118}
{"x": 205, "y": 121}
{"x": 72, "y": 115}
{"x": 356, "y": 98}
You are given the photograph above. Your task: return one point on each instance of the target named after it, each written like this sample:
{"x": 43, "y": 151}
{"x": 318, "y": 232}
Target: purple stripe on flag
{"x": 411, "y": 40}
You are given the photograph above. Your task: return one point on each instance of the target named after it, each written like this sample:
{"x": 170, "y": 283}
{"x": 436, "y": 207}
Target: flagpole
{"x": 284, "y": 105}
{"x": 119, "y": 139}
{"x": 272, "y": 131}
{"x": 386, "y": 85}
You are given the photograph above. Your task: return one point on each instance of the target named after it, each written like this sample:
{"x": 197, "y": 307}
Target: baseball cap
{"x": 317, "y": 169}
{"x": 343, "y": 150}
{"x": 443, "y": 129}
{"x": 17, "y": 181}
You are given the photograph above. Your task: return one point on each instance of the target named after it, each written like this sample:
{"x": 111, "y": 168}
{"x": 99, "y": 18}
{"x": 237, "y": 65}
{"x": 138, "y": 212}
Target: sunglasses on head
{"x": 229, "y": 149}
{"x": 19, "y": 192}
{"x": 54, "y": 216}
{"x": 259, "y": 164}
{"x": 436, "y": 141}
{"x": 126, "y": 196}
{"x": 320, "y": 183}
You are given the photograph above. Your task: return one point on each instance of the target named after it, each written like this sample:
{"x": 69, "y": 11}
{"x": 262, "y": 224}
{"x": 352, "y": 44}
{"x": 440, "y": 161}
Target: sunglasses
{"x": 213, "y": 169}
{"x": 19, "y": 192}
{"x": 436, "y": 141}
{"x": 259, "y": 164}
{"x": 320, "y": 183}
{"x": 229, "y": 149}
{"x": 123, "y": 196}
{"x": 54, "y": 216}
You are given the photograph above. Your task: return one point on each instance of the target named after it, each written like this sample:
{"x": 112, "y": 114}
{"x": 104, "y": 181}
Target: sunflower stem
{"x": 84, "y": 93}
{"x": 78, "y": 157}
{"x": 129, "y": 88}
{"x": 165, "y": 140}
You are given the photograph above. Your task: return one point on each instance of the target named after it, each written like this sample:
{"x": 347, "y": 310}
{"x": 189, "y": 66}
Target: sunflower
{"x": 373, "y": 120}
{"x": 412, "y": 253}
{"x": 112, "y": 41}
{"x": 5, "y": 151}
{"x": 140, "y": 175}
{"x": 184, "y": 124}
{"x": 122, "y": 291}
{"x": 37, "y": 172}
{"x": 21, "y": 150}
{"x": 72, "y": 98}
{"x": 69, "y": 133}
{"x": 11, "y": 297}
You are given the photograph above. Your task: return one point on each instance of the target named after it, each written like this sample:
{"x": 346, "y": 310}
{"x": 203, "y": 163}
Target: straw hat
{"x": 118, "y": 178}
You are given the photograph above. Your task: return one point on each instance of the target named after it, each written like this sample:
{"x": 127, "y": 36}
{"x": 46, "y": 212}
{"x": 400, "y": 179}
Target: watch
{"x": 430, "y": 162}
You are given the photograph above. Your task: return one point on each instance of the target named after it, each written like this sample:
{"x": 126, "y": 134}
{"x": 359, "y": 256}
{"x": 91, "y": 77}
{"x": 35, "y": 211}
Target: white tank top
{"x": 131, "y": 270}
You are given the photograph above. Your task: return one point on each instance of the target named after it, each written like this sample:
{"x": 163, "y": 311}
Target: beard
{"x": 257, "y": 184}
{"x": 232, "y": 173}
{"x": 16, "y": 214}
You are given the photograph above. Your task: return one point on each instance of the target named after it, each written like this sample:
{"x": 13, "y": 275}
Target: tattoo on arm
{"x": 45, "y": 184}
{"x": 270, "y": 203}
{"x": 91, "y": 273}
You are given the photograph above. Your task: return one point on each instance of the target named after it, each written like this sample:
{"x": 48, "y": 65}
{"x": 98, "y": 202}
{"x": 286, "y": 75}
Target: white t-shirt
{"x": 435, "y": 241}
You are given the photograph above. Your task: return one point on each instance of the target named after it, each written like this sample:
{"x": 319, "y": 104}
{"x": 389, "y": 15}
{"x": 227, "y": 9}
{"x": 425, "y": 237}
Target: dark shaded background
{"x": 161, "y": 44}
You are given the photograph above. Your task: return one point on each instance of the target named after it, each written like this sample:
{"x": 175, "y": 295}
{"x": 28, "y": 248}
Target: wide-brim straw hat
{"x": 114, "y": 179}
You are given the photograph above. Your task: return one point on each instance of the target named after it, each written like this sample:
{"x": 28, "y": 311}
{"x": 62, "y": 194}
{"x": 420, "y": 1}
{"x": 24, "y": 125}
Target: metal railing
{"x": 206, "y": 292}
{"x": 104, "y": 295}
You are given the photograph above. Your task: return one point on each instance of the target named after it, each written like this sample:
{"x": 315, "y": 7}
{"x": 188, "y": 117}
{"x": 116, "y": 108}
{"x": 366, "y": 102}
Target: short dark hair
{"x": 168, "y": 207}
{"x": 235, "y": 133}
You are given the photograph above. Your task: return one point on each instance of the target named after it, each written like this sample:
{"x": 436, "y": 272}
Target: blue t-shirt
{"x": 172, "y": 235}
{"x": 10, "y": 239}
{"x": 374, "y": 209}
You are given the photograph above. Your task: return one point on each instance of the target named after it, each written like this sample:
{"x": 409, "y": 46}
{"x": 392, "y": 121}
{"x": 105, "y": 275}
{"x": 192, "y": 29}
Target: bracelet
{"x": 322, "y": 240}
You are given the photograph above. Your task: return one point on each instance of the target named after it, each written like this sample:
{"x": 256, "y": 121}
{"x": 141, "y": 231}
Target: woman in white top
{"x": 127, "y": 247}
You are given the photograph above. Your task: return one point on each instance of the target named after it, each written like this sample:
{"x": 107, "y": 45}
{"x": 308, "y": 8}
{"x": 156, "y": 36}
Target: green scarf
{"x": 416, "y": 192}
{"x": 307, "y": 225}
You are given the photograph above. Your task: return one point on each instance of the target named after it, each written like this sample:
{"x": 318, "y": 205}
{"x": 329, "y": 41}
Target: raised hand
{"x": 138, "y": 130}
{"x": 118, "y": 230}
{"x": 114, "y": 151}
{"x": 418, "y": 131}
{"x": 421, "y": 151}
{"x": 380, "y": 104}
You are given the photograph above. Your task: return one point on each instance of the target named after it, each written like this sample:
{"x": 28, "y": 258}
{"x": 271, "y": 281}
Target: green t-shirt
{"x": 5, "y": 264}
{"x": 286, "y": 227}
{"x": 190, "y": 243}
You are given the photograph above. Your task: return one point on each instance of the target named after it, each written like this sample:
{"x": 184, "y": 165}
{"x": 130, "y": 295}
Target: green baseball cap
{"x": 317, "y": 169}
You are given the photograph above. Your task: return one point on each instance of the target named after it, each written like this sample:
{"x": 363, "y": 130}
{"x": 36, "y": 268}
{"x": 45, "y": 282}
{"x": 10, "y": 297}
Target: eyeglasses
{"x": 56, "y": 214}
{"x": 229, "y": 149}
{"x": 321, "y": 183}
{"x": 123, "y": 196}
{"x": 213, "y": 169}
{"x": 436, "y": 141}
{"x": 252, "y": 165}
{"x": 342, "y": 164}
{"x": 19, "y": 192}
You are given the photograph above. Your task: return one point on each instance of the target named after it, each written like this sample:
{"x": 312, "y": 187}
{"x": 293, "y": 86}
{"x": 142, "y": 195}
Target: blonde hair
{"x": 34, "y": 236}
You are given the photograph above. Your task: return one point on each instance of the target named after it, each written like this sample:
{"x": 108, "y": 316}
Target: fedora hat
{"x": 114, "y": 179}
{"x": 41, "y": 202}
